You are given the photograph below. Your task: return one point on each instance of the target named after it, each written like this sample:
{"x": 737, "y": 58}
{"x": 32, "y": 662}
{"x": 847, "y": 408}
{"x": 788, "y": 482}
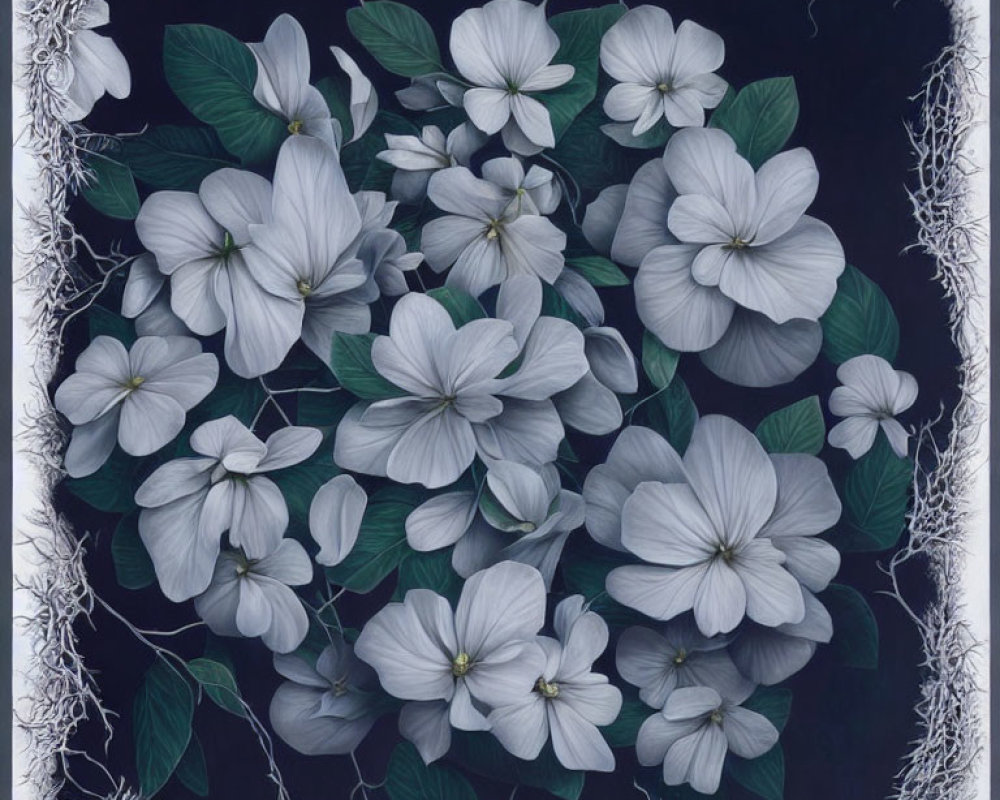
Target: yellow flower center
{"x": 547, "y": 690}
{"x": 304, "y": 287}
{"x": 295, "y": 127}
{"x": 681, "y": 657}
{"x": 736, "y": 244}
{"x": 493, "y": 231}
{"x": 726, "y": 553}
{"x": 716, "y": 717}
{"x": 134, "y": 383}
{"x": 461, "y": 664}
{"x": 664, "y": 87}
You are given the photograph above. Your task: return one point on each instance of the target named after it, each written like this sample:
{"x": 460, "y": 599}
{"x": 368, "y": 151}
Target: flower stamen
{"x": 549, "y": 691}
{"x": 681, "y": 657}
{"x": 134, "y": 383}
{"x": 295, "y": 127}
{"x": 304, "y": 287}
{"x": 461, "y": 664}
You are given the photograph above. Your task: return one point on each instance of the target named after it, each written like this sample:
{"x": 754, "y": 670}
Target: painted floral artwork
{"x": 500, "y": 401}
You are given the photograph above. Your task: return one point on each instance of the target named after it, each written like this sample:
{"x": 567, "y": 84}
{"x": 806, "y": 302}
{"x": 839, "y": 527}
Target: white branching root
{"x": 942, "y": 763}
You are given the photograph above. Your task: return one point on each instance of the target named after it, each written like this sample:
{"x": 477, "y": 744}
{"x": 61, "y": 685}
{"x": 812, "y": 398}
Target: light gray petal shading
{"x": 659, "y": 592}
{"x": 335, "y": 518}
{"x": 590, "y": 407}
{"x": 427, "y": 726}
{"x": 577, "y": 743}
{"x": 90, "y": 445}
{"x": 440, "y": 521}
{"x": 611, "y": 360}
{"x": 522, "y": 729}
{"x": 288, "y": 446}
{"x": 526, "y": 431}
{"x": 749, "y": 734}
{"x": 601, "y": 219}
{"x": 644, "y": 217}
{"x": 183, "y": 559}
{"x": 499, "y": 605}
{"x": 294, "y": 716}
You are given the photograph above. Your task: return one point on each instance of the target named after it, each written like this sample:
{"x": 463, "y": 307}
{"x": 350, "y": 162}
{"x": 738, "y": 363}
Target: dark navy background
{"x": 855, "y": 72}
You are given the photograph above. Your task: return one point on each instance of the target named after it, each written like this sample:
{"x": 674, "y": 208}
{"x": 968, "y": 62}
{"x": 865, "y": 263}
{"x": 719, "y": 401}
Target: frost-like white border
{"x": 52, "y": 689}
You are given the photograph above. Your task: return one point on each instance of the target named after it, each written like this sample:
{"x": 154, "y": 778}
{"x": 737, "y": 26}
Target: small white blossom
{"x": 96, "y": 65}
{"x": 873, "y": 393}
{"x": 417, "y": 158}
{"x": 364, "y": 100}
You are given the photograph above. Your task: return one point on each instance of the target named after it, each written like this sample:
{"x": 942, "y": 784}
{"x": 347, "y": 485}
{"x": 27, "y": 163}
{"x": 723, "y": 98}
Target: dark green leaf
{"x": 399, "y": 38}
{"x": 232, "y": 395}
{"x": 429, "y": 571}
{"x": 409, "y": 778}
{"x": 672, "y": 414}
{"x": 761, "y": 118}
{"x": 860, "y": 320}
{"x": 322, "y": 409}
{"x": 102, "y": 322}
{"x": 599, "y": 271}
{"x": 133, "y": 567}
{"x": 653, "y": 139}
{"x": 658, "y": 360}
{"x": 593, "y": 159}
{"x": 337, "y": 93}
{"x": 798, "y": 428}
{"x": 580, "y": 35}
{"x": 555, "y": 305}
{"x": 381, "y": 544}
{"x": 213, "y": 74}
{"x": 191, "y": 770}
{"x": 219, "y": 684}
{"x": 482, "y": 754}
{"x": 351, "y": 362}
{"x": 624, "y": 730}
{"x": 855, "y": 631}
{"x": 110, "y": 187}
{"x": 764, "y": 776}
{"x": 175, "y": 156}
{"x": 161, "y": 723}
{"x": 111, "y": 488}
{"x": 461, "y": 306}
{"x": 876, "y": 494}
{"x": 775, "y": 704}
{"x": 361, "y": 168}
{"x": 586, "y": 571}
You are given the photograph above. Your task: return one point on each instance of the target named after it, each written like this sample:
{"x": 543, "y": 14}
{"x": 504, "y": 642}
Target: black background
{"x": 856, "y": 69}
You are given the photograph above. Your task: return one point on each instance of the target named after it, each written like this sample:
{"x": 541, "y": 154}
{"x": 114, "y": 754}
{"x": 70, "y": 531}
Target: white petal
{"x": 519, "y": 301}
{"x": 260, "y": 516}
{"x": 480, "y": 547}
{"x": 149, "y": 420}
{"x": 856, "y": 435}
{"x": 364, "y": 100}
{"x": 288, "y": 446}
{"x": 696, "y": 50}
{"x": 433, "y": 451}
{"x": 361, "y": 448}
{"x": 691, "y": 703}
{"x": 703, "y": 161}
{"x": 289, "y": 623}
{"x": 601, "y": 219}
{"x": 183, "y": 560}
{"x": 236, "y": 199}
{"x": 897, "y": 436}
{"x": 335, "y": 518}
{"x": 294, "y": 717}
{"x": 192, "y": 296}
{"x": 177, "y": 229}
{"x": 666, "y": 524}
{"x": 644, "y": 218}
{"x": 657, "y": 735}
{"x": 532, "y": 245}
{"x": 786, "y": 187}
{"x": 659, "y": 592}
{"x": 807, "y": 501}
{"x": 426, "y": 725}
{"x": 581, "y": 295}
{"x": 773, "y": 596}
{"x": 533, "y": 120}
{"x": 637, "y": 47}
{"x": 750, "y": 734}
{"x": 721, "y": 599}
{"x": 522, "y": 729}
{"x": 611, "y": 360}
{"x": 218, "y": 604}
{"x": 499, "y": 605}
{"x": 590, "y": 407}
{"x": 440, "y": 521}
{"x": 813, "y": 562}
{"x": 767, "y": 656}
{"x": 91, "y": 445}
{"x": 577, "y": 743}
{"x": 289, "y": 564}
{"x": 700, "y": 756}
{"x": 527, "y": 431}
{"x": 144, "y": 282}
{"x": 553, "y": 359}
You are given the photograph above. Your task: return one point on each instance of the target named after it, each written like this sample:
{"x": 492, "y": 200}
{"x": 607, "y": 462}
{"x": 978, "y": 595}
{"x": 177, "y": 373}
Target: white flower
{"x": 364, "y": 100}
{"x": 592, "y": 404}
{"x": 873, "y": 393}
{"x": 146, "y": 299}
{"x": 534, "y": 518}
{"x": 458, "y": 665}
{"x": 187, "y": 504}
{"x": 306, "y": 253}
{"x": 251, "y": 597}
{"x": 335, "y": 518}
{"x": 138, "y": 397}
{"x": 198, "y": 240}
{"x": 381, "y": 249}
{"x": 705, "y": 537}
{"x": 485, "y": 236}
{"x": 503, "y": 49}
{"x": 283, "y": 81}
{"x": 417, "y": 158}
{"x": 661, "y": 73}
{"x": 771, "y": 655}
{"x": 538, "y": 192}
{"x": 326, "y": 709}
{"x": 639, "y": 454}
{"x": 96, "y": 65}
{"x": 427, "y": 92}
{"x": 693, "y": 733}
{"x": 739, "y": 345}
{"x": 676, "y": 656}
{"x": 568, "y": 701}
{"x": 455, "y": 405}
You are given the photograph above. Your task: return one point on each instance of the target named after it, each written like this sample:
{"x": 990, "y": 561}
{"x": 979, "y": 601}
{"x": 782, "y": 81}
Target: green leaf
{"x": 482, "y": 754}
{"x": 381, "y": 545}
{"x": 398, "y": 37}
{"x": 213, "y": 74}
{"x": 775, "y": 704}
{"x": 175, "y": 157}
{"x": 461, "y": 306}
{"x": 764, "y": 776}
{"x": 876, "y": 495}
{"x": 102, "y": 322}
{"x": 658, "y": 360}
{"x": 161, "y": 724}
{"x": 351, "y": 362}
{"x": 300, "y": 482}
{"x": 761, "y": 118}
{"x": 593, "y": 159}
{"x": 585, "y": 572}
{"x": 855, "y": 631}
{"x": 580, "y": 35}
{"x": 409, "y": 778}
{"x": 429, "y": 571}
{"x": 361, "y": 168}
{"x": 860, "y": 320}
{"x": 798, "y": 428}
{"x": 111, "y": 488}
{"x": 672, "y": 414}
{"x": 625, "y": 729}
{"x": 653, "y": 139}
{"x": 337, "y": 93}
{"x": 599, "y": 271}
{"x": 192, "y": 770}
{"x": 498, "y": 516}
{"x": 219, "y": 684}
{"x": 133, "y": 566}
{"x": 110, "y": 187}
{"x": 555, "y": 305}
